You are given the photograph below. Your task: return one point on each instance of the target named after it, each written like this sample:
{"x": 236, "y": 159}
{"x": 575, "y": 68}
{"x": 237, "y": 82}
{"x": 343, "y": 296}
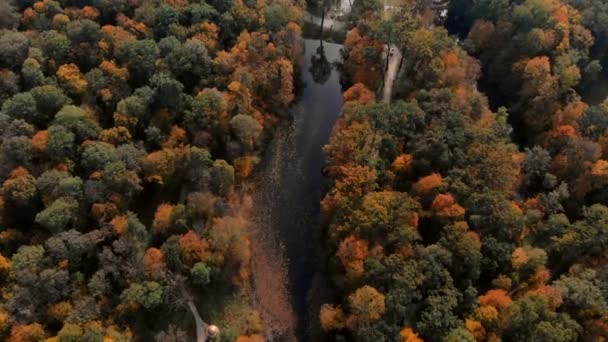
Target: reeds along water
{"x": 286, "y": 194}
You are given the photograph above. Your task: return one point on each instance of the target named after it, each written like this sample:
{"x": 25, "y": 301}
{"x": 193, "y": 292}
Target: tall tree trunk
{"x": 388, "y": 56}
{"x": 322, "y": 22}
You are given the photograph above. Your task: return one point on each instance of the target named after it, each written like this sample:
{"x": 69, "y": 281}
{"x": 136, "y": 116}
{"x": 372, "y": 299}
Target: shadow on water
{"x": 289, "y": 187}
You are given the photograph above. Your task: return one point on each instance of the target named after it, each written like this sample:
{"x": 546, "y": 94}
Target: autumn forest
{"x": 304, "y": 170}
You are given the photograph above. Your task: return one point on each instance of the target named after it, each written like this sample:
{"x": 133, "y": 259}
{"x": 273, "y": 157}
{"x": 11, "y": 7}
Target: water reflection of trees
{"x": 320, "y": 67}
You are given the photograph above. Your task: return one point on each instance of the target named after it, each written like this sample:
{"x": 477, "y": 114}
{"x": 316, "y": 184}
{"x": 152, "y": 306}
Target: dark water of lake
{"x": 290, "y": 187}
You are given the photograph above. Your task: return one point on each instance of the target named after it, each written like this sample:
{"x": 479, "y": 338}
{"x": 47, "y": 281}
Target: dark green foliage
{"x": 166, "y": 16}
{"x": 78, "y": 122}
{"x": 32, "y": 73}
{"x": 61, "y": 143}
{"x": 206, "y": 109}
{"x": 21, "y": 106}
{"x": 459, "y": 335}
{"x": 533, "y": 320}
{"x": 149, "y": 294}
{"x": 275, "y": 17}
{"x": 83, "y": 31}
{"x": 55, "y": 45}
{"x": 96, "y": 156}
{"x": 190, "y": 61}
{"x": 246, "y": 129}
{"x": 201, "y": 274}
{"x": 198, "y": 12}
{"x": 222, "y": 178}
{"x": 168, "y": 90}
{"x": 49, "y": 100}
{"x": 586, "y": 236}
{"x": 139, "y": 56}
{"x": 13, "y": 49}
{"x": 581, "y": 291}
{"x": 59, "y": 215}
{"x": 117, "y": 155}
{"x": 9, "y": 18}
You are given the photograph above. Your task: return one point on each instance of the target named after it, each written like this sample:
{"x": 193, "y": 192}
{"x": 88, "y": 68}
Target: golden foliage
{"x": 600, "y": 168}
{"x": 114, "y": 71}
{"x": 332, "y": 317}
{"x": 193, "y": 248}
{"x": 250, "y": 338}
{"x": 366, "y": 304}
{"x": 60, "y": 21}
{"x": 162, "y": 218}
{"x": 116, "y": 135}
{"x": 154, "y": 261}
{"x": 5, "y": 321}
{"x": 503, "y": 282}
{"x": 354, "y": 183}
{"x": 114, "y": 37}
{"x": 359, "y": 93}
{"x": 427, "y": 184}
{"x": 454, "y": 211}
{"x": 134, "y": 26}
{"x": 476, "y": 329}
{"x": 571, "y": 113}
{"x": 124, "y": 120}
{"x": 96, "y": 175}
{"x": 408, "y": 335}
{"x": 10, "y": 236}
{"x": 27, "y": 333}
{"x": 90, "y": 12}
{"x": 17, "y": 172}
{"x": 459, "y": 72}
{"x": 486, "y": 314}
{"x": 60, "y": 311}
{"x": 442, "y": 201}
{"x": 497, "y": 298}
{"x": 445, "y": 207}
{"x": 207, "y": 33}
{"x": 177, "y": 137}
{"x": 235, "y": 86}
{"x": 70, "y": 75}
{"x": 552, "y": 294}
{"x": 120, "y": 224}
{"x": 40, "y": 140}
{"x": 352, "y": 253}
{"x": 245, "y": 165}
{"x": 360, "y": 67}
{"x": 160, "y": 165}
{"x": 519, "y": 257}
{"x": 5, "y": 265}
{"x": 403, "y": 162}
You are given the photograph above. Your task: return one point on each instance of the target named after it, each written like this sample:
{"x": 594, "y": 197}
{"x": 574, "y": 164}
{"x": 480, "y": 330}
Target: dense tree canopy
{"x": 489, "y": 241}
{"x": 124, "y": 127}
{"x": 471, "y": 205}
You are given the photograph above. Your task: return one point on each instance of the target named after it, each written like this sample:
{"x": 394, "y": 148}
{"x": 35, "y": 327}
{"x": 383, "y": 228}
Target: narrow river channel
{"x": 291, "y": 181}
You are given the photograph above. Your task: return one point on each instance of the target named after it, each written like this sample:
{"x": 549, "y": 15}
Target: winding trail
{"x": 394, "y": 59}
{"x": 391, "y": 73}
{"x": 328, "y": 23}
{"x": 201, "y": 326}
